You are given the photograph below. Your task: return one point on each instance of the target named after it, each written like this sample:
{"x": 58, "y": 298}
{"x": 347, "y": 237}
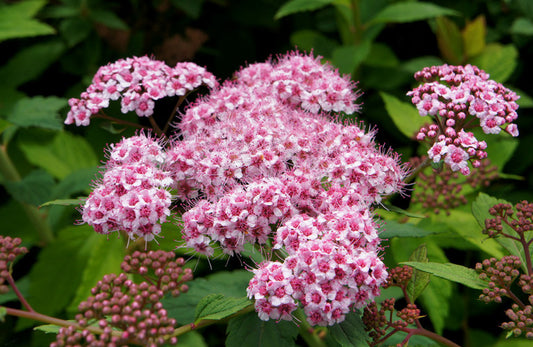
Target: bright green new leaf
{"x": 350, "y": 332}
{"x": 249, "y": 330}
{"x": 404, "y": 12}
{"x": 404, "y": 115}
{"x": 296, "y": 6}
{"x": 449, "y": 40}
{"x": 452, "y": 272}
{"x": 394, "y": 229}
{"x": 480, "y": 210}
{"x": 62, "y": 202}
{"x": 498, "y": 60}
{"x": 348, "y": 58}
{"x": 38, "y": 111}
{"x": 420, "y": 279}
{"x": 474, "y": 36}
{"x": 218, "y": 306}
{"x": 60, "y": 156}
{"x": 16, "y": 20}
{"x": 49, "y": 328}
{"x": 3, "y": 313}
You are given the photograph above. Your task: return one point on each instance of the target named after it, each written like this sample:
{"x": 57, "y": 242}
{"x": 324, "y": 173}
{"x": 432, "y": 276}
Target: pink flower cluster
{"x": 458, "y": 97}
{"x": 133, "y": 194}
{"x": 138, "y": 82}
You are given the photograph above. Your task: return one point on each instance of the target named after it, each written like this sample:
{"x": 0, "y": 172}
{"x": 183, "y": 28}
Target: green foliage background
{"x": 51, "y": 50}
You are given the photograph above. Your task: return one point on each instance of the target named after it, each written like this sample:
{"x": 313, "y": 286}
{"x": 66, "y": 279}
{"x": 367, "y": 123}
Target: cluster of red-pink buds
{"x": 124, "y": 312}
{"x": 259, "y": 152}
{"x": 137, "y": 82}
{"x": 459, "y": 98}
{"x": 501, "y": 275}
{"x": 504, "y": 214}
{"x": 9, "y": 250}
{"x": 133, "y": 195}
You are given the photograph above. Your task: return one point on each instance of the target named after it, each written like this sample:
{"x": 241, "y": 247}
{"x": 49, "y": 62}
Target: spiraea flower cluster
{"x": 137, "y": 82}
{"x": 128, "y": 313}
{"x": 253, "y": 158}
{"x": 133, "y": 195}
{"x": 9, "y": 250}
{"x": 458, "y": 98}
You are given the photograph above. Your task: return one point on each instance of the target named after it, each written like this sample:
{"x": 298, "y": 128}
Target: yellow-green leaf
{"x": 474, "y": 36}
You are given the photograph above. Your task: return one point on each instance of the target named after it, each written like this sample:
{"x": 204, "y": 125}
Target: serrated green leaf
{"x": 16, "y": 20}
{"x": 350, "y": 332}
{"x": 218, "y": 306}
{"x": 404, "y": 115}
{"x": 34, "y": 188}
{"x": 480, "y": 210}
{"x": 23, "y": 66}
{"x": 230, "y": 284}
{"x": 420, "y": 280}
{"x": 60, "y": 156}
{"x": 38, "y": 111}
{"x": 394, "y": 229}
{"x": 411, "y": 11}
{"x": 49, "y": 328}
{"x": 522, "y": 26}
{"x": 63, "y": 202}
{"x": 295, "y": 6}
{"x": 452, "y": 272}
{"x": 106, "y": 255}
{"x": 249, "y": 330}
{"x": 474, "y": 35}
{"x": 498, "y": 60}
{"x": 348, "y": 58}
{"x": 449, "y": 40}
{"x": 436, "y": 301}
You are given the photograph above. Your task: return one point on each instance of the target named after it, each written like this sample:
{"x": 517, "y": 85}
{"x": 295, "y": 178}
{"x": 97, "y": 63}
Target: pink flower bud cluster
{"x": 458, "y": 97}
{"x": 128, "y": 313}
{"x": 9, "y": 250}
{"x": 133, "y": 194}
{"x": 332, "y": 267}
{"x": 137, "y": 82}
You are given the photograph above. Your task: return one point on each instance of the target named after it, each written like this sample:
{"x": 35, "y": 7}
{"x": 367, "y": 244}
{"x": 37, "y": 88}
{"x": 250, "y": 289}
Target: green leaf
{"x": 63, "y": 202}
{"x": 230, "y": 284}
{"x": 109, "y": 19}
{"x": 16, "y": 20}
{"x": 23, "y": 66}
{"x": 105, "y": 256}
{"x": 78, "y": 181}
{"x": 351, "y": 332}
{"x": 436, "y": 301}
{"x": 22, "y": 284}
{"x": 474, "y": 35}
{"x": 192, "y": 339}
{"x": 394, "y": 229}
{"x": 295, "y": 6}
{"x": 449, "y": 40}
{"x": 498, "y": 60}
{"x": 60, "y": 156}
{"x": 249, "y": 330}
{"x": 34, "y": 189}
{"x": 75, "y": 30}
{"x": 311, "y": 40}
{"x": 411, "y": 11}
{"x": 522, "y": 26}
{"x": 38, "y": 111}
{"x": 417, "y": 64}
{"x": 452, "y": 272}
{"x": 217, "y": 307}
{"x": 348, "y": 58}
{"x": 3, "y": 313}
{"x": 381, "y": 55}
{"x": 500, "y": 147}
{"x": 420, "y": 280}
{"x": 525, "y": 101}
{"x": 404, "y": 115}
{"x": 480, "y": 210}
{"x": 192, "y": 8}
{"x": 49, "y": 328}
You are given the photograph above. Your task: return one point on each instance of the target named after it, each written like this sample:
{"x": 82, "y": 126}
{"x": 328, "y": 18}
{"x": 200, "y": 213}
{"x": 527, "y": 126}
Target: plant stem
{"x": 416, "y": 171}
{"x": 307, "y": 331}
{"x": 173, "y": 113}
{"x": 19, "y": 295}
{"x": 156, "y": 127}
{"x": 119, "y": 121}
{"x": 10, "y": 173}
{"x": 357, "y": 29}
{"x": 433, "y": 336}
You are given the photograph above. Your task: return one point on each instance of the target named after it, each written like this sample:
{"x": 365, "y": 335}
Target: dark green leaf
{"x": 419, "y": 280}
{"x": 192, "y": 8}
{"x": 75, "y": 30}
{"x": 411, "y": 11}
{"x": 249, "y": 330}
{"x": 230, "y": 284}
{"x": 348, "y": 58}
{"x": 23, "y": 66}
{"x": 404, "y": 115}
{"x": 218, "y": 306}
{"x": 109, "y": 19}
{"x": 295, "y": 6}
{"x": 522, "y": 26}
{"x": 452, "y": 272}
{"x": 61, "y": 156}
{"x": 34, "y": 189}
{"x": 498, "y": 60}
{"x": 38, "y": 111}
{"x": 381, "y": 55}
{"x": 417, "y": 64}
{"x": 450, "y": 40}
{"x": 311, "y": 40}
{"x": 22, "y": 284}
{"x": 350, "y": 332}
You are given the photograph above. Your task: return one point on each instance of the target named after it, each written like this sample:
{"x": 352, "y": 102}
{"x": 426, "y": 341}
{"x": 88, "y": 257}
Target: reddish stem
{"x": 19, "y": 295}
